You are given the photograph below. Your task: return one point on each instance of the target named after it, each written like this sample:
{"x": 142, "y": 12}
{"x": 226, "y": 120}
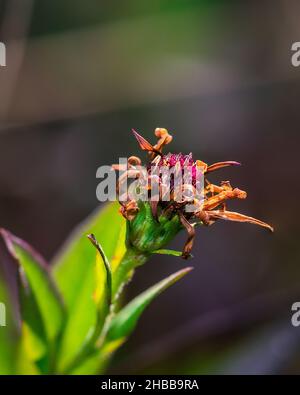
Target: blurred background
{"x": 218, "y": 76}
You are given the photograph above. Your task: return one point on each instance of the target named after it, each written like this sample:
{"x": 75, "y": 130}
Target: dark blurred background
{"x": 218, "y": 76}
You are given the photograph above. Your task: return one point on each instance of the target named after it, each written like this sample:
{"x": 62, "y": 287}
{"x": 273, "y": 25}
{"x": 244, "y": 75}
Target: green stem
{"x": 123, "y": 273}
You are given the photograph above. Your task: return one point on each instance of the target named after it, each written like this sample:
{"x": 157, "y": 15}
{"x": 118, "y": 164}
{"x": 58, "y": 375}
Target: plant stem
{"x": 123, "y": 273}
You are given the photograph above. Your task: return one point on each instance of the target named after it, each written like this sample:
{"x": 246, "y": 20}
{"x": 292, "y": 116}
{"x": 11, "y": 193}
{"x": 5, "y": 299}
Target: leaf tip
{"x": 91, "y": 237}
{"x": 181, "y": 273}
{"x": 186, "y": 270}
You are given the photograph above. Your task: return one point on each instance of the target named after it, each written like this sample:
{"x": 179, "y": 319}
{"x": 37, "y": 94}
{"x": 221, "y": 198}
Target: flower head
{"x": 153, "y": 222}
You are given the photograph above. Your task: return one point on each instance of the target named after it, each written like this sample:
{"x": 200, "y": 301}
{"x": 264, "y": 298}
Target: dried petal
{"x": 144, "y": 144}
{"x": 186, "y": 253}
{"x": 237, "y": 217}
{"x": 220, "y": 165}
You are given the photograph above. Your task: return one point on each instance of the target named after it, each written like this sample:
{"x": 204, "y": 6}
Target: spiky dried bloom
{"x": 151, "y": 225}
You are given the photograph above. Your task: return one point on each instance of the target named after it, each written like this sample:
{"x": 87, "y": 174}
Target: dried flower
{"x": 152, "y": 224}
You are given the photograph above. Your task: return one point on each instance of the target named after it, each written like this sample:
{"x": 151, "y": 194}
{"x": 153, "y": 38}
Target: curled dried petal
{"x": 220, "y": 165}
{"x": 215, "y": 200}
{"x": 186, "y": 253}
{"x": 129, "y": 210}
{"x": 237, "y": 217}
{"x": 144, "y": 144}
{"x": 134, "y": 161}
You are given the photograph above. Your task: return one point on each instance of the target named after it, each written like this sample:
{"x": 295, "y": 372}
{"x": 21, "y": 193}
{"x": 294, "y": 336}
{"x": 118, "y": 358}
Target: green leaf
{"x": 119, "y": 247}
{"x": 99, "y": 287}
{"x": 9, "y": 331}
{"x": 77, "y": 257}
{"x": 82, "y": 279}
{"x": 41, "y": 306}
{"x": 120, "y": 327}
{"x": 45, "y": 293}
{"x": 108, "y": 280}
{"x": 125, "y": 321}
{"x": 34, "y": 337}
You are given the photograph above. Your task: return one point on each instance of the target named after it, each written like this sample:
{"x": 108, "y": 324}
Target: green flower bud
{"x": 147, "y": 234}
